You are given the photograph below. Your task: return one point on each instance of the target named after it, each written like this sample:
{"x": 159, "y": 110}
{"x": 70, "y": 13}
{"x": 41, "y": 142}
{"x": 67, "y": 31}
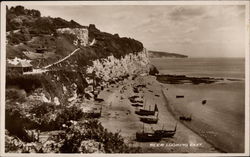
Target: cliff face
{"x": 100, "y": 73}
{"x": 81, "y": 35}
{"x": 76, "y": 62}
{"x": 111, "y": 67}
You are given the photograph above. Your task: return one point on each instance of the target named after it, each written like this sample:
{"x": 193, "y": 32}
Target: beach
{"x": 119, "y": 116}
{"x": 216, "y": 110}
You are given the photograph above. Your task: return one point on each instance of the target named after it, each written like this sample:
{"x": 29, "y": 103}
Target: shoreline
{"x": 196, "y": 132}
{"x": 211, "y": 130}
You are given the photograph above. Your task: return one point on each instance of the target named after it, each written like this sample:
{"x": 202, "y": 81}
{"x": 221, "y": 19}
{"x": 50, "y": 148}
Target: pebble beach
{"x": 119, "y": 116}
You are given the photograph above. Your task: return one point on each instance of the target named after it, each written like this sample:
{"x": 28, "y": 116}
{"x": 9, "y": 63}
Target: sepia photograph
{"x": 131, "y": 77}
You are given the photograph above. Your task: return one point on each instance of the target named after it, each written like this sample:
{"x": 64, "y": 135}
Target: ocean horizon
{"x": 202, "y": 67}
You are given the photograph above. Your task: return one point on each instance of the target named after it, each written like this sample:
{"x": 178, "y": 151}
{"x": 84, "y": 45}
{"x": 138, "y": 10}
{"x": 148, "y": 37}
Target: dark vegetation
{"x": 108, "y": 44}
{"x": 112, "y": 142}
{"x": 18, "y": 17}
{"x": 73, "y": 134}
{"x": 31, "y": 31}
{"x": 180, "y": 79}
{"x": 159, "y": 54}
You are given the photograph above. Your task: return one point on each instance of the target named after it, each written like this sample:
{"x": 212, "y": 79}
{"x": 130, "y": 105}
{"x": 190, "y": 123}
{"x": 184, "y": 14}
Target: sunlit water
{"x": 221, "y": 120}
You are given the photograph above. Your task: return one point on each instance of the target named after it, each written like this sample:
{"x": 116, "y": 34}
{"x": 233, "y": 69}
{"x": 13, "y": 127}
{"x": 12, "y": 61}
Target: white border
{"x": 57, "y": 3}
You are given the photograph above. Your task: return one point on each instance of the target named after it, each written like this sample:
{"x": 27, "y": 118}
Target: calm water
{"x": 221, "y": 120}
{"x": 213, "y": 67}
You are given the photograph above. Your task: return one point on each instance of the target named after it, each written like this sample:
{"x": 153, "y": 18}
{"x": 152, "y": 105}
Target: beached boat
{"x": 165, "y": 133}
{"x": 150, "y": 120}
{"x": 137, "y": 105}
{"x": 147, "y": 136}
{"x": 147, "y": 112}
{"x": 94, "y": 113}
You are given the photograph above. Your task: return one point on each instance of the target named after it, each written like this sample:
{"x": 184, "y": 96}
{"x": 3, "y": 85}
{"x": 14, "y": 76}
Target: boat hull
{"x": 147, "y": 137}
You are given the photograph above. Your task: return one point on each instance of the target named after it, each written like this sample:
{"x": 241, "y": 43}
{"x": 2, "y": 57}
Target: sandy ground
{"x": 221, "y": 120}
{"x": 119, "y": 116}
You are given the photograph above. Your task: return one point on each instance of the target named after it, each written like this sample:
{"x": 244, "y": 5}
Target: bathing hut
{"x": 21, "y": 67}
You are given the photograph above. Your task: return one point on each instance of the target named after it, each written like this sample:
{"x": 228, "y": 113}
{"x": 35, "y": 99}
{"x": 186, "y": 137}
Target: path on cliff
{"x": 63, "y": 59}
{"x": 44, "y": 69}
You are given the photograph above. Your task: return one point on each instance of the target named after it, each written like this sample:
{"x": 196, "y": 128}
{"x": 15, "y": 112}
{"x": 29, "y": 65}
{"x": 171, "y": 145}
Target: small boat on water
{"x": 165, "y": 133}
{"x": 204, "y": 102}
{"x": 185, "y": 118}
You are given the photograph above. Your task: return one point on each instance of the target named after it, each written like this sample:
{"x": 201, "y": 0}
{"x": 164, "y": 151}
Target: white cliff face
{"x": 111, "y": 67}
{"x": 81, "y": 35}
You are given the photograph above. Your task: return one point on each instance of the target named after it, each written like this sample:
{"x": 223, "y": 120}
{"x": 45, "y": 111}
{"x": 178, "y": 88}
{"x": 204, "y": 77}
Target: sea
{"x": 221, "y": 121}
{"x": 208, "y": 67}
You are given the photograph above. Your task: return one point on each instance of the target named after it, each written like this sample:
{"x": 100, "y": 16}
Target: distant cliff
{"x": 160, "y": 54}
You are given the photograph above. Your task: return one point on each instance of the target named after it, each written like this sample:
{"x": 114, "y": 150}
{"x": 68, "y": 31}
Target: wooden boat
{"x": 165, "y": 133}
{"x": 204, "y": 102}
{"x": 147, "y": 136}
{"x": 179, "y": 96}
{"x": 95, "y": 113}
{"x": 150, "y": 120}
{"x": 145, "y": 112}
{"x": 98, "y": 99}
{"x": 137, "y": 105}
{"x": 185, "y": 118}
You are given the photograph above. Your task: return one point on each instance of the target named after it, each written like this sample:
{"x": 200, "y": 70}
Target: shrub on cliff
{"x": 108, "y": 44}
{"x": 17, "y": 122}
{"x": 93, "y": 130}
{"x": 26, "y": 82}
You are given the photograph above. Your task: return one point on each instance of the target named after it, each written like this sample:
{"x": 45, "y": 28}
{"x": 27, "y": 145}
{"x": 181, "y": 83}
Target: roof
{"x": 22, "y": 64}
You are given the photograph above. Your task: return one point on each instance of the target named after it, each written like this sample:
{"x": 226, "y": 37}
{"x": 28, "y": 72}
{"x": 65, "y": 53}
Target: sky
{"x": 193, "y": 30}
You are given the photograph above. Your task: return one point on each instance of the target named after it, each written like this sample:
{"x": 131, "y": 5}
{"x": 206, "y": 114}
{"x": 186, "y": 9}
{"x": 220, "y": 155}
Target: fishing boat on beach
{"x": 137, "y": 105}
{"x": 150, "y": 120}
{"x": 165, "y": 133}
{"x": 94, "y": 112}
{"x": 147, "y": 136}
{"x": 147, "y": 112}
